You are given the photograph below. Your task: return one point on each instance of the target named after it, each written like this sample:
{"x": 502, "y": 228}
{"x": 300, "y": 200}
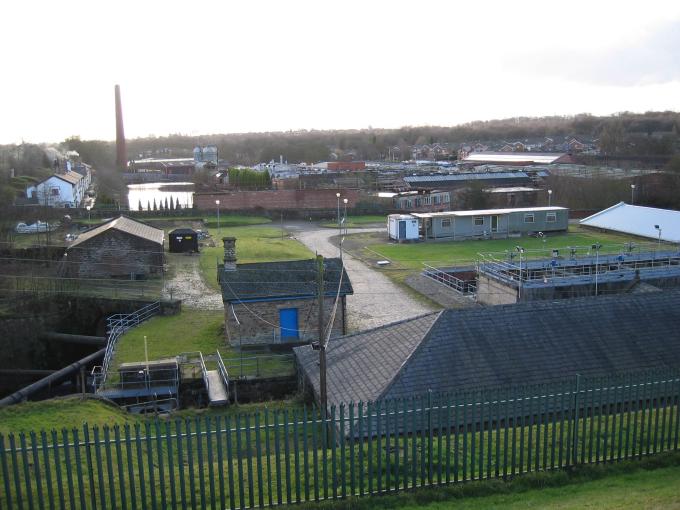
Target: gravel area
{"x": 376, "y": 300}
{"x": 186, "y": 283}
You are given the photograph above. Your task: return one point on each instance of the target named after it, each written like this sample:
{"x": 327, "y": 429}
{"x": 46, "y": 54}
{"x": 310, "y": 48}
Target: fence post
{"x": 574, "y": 447}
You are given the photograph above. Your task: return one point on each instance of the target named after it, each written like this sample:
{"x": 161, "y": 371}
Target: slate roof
{"x": 465, "y": 177}
{"x": 127, "y": 225}
{"x": 523, "y": 344}
{"x": 294, "y": 278}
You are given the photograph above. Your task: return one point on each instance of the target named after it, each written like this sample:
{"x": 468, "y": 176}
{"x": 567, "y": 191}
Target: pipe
{"x": 97, "y": 341}
{"x": 24, "y": 393}
{"x": 25, "y": 372}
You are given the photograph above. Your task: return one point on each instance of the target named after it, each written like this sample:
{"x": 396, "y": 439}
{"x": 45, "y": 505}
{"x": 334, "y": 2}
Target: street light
{"x": 659, "y": 229}
{"x": 88, "y": 212}
{"x": 596, "y": 247}
{"x": 344, "y": 201}
{"x": 339, "y": 226}
{"x": 217, "y": 202}
{"x": 520, "y": 250}
{"x": 549, "y": 197}
{"x": 632, "y": 194}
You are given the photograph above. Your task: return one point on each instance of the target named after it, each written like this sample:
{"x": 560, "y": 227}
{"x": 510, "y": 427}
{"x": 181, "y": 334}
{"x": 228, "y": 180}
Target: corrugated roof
{"x": 482, "y": 212}
{"x": 637, "y": 220}
{"x": 127, "y": 225}
{"x": 514, "y": 157}
{"x": 293, "y": 278}
{"x": 466, "y": 177}
{"x": 529, "y": 343}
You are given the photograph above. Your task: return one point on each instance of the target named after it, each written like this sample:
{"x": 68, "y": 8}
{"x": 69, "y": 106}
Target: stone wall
{"x": 113, "y": 254}
{"x": 493, "y": 292}
{"x": 258, "y": 323}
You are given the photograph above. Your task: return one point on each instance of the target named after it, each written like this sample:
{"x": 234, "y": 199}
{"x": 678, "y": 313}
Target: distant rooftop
{"x": 482, "y": 212}
{"x": 514, "y": 157}
{"x": 637, "y": 220}
{"x": 466, "y": 177}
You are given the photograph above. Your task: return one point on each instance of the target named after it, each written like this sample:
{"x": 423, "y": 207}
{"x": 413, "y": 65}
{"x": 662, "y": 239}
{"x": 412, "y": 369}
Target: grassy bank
{"x": 254, "y": 244}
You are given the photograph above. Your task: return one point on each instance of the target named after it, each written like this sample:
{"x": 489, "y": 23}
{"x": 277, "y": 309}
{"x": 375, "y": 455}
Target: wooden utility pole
{"x": 322, "y": 340}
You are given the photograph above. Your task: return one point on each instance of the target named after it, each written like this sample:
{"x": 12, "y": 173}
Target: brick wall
{"x": 113, "y": 254}
{"x": 276, "y": 200}
{"x": 251, "y": 330}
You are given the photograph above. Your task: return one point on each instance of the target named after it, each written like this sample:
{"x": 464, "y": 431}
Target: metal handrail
{"x": 223, "y": 370}
{"x": 204, "y": 371}
{"x": 118, "y": 324}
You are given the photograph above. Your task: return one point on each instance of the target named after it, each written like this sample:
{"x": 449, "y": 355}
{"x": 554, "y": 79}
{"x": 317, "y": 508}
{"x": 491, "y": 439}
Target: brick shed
{"x": 120, "y": 248}
{"x": 276, "y": 302}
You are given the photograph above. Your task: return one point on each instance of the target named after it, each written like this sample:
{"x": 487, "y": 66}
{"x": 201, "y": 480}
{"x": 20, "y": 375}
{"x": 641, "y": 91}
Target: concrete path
{"x": 376, "y": 300}
{"x": 217, "y": 392}
{"x": 187, "y": 284}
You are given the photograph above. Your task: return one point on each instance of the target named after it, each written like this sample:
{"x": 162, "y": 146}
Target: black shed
{"x": 183, "y": 239}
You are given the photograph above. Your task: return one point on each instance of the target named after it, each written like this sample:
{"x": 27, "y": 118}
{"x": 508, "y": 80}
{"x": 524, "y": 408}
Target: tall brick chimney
{"x": 121, "y": 150}
{"x": 229, "y": 253}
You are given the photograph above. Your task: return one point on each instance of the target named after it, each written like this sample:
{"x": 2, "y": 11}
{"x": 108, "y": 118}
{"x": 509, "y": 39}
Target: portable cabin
{"x": 402, "y": 227}
{"x": 183, "y": 240}
{"x": 492, "y": 223}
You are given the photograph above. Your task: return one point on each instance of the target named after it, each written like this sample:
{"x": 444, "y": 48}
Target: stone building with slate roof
{"x": 120, "y": 248}
{"x": 274, "y": 303}
{"x": 499, "y": 347}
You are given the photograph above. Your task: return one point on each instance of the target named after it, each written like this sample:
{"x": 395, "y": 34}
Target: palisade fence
{"x": 294, "y": 455}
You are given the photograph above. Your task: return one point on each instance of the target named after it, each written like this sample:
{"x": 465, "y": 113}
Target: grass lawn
{"x": 413, "y": 256}
{"x": 190, "y": 330}
{"x": 254, "y": 244}
{"x": 358, "y": 221}
{"x": 73, "y": 412}
{"x": 639, "y": 489}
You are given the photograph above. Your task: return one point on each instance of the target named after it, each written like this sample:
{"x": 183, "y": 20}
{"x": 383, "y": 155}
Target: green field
{"x": 189, "y": 331}
{"x": 639, "y": 489}
{"x": 414, "y": 255}
{"x": 253, "y": 244}
{"x": 358, "y": 221}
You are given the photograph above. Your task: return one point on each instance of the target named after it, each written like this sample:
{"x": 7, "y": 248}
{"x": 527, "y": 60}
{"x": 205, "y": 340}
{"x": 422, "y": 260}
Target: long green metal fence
{"x": 294, "y": 455}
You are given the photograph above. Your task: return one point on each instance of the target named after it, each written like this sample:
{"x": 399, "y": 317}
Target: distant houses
{"x": 62, "y": 189}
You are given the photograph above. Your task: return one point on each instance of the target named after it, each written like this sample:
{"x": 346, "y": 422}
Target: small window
{"x": 437, "y": 199}
{"x": 478, "y": 221}
{"x": 55, "y": 191}
{"x": 428, "y": 200}
{"x": 551, "y": 217}
{"x": 529, "y": 218}
{"x": 446, "y": 223}
{"x": 447, "y": 198}
{"x": 409, "y": 204}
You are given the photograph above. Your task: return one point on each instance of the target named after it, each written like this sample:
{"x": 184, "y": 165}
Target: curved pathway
{"x": 376, "y": 300}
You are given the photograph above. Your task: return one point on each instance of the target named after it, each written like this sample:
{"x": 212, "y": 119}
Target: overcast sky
{"x": 236, "y": 66}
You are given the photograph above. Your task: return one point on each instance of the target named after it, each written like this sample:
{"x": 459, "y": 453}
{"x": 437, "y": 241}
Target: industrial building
{"x": 491, "y": 223}
{"x": 650, "y": 222}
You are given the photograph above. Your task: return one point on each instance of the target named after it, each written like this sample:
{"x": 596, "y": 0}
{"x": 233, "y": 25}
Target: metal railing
{"x": 223, "y": 370}
{"x": 117, "y": 325}
{"x": 441, "y": 276}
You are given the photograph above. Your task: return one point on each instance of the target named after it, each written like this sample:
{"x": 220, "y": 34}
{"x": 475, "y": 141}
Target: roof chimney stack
{"x": 229, "y": 253}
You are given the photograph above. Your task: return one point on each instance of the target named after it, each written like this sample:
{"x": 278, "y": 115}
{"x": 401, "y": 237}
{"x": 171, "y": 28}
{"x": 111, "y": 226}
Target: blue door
{"x": 402, "y": 230}
{"x": 288, "y": 321}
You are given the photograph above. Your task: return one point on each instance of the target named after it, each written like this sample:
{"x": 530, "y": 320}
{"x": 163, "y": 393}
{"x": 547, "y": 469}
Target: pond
{"x": 143, "y": 195}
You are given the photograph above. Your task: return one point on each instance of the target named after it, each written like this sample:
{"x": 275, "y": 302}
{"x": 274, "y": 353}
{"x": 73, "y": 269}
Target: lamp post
{"x": 344, "y": 201}
{"x": 217, "y": 203}
{"x": 659, "y": 229}
{"x": 597, "y": 247}
{"x": 549, "y": 197}
{"x": 337, "y": 195}
{"x": 88, "y": 212}
{"x": 520, "y": 250}
{"x": 632, "y": 194}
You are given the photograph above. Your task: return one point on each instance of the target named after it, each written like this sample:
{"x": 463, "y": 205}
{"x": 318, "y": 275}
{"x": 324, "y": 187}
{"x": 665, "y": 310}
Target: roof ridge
{"x": 424, "y": 339}
{"x": 385, "y": 326}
